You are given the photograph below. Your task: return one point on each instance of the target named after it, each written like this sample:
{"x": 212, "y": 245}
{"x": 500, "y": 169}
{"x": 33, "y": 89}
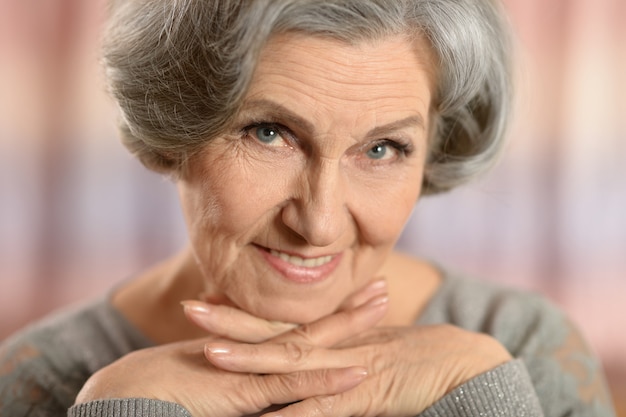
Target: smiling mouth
{"x": 298, "y": 269}
{"x": 302, "y": 262}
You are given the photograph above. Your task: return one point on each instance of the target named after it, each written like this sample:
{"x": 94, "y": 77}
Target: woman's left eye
{"x": 386, "y": 150}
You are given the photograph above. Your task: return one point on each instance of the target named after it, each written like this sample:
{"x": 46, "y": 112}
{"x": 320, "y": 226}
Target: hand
{"x": 409, "y": 368}
{"x": 180, "y": 373}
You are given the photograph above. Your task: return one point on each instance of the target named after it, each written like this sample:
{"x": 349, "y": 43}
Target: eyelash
{"x": 283, "y": 131}
{"x": 403, "y": 149}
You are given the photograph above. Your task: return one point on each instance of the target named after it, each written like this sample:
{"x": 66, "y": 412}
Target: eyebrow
{"x": 275, "y": 110}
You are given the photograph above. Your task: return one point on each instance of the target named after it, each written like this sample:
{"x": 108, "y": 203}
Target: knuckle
{"x": 324, "y": 405}
{"x": 295, "y": 382}
{"x": 305, "y": 382}
{"x": 261, "y": 394}
{"x": 296, "y": 353}
{"x": 328, "y": 378}
{"x": 379, "y": 361}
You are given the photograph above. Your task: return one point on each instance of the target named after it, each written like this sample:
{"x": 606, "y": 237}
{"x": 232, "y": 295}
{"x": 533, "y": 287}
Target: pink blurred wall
{"x": 77, "y": 214}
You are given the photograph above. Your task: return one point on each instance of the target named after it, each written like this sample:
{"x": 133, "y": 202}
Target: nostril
{"x": 318, "y": 212}
{"x": 316, "y": 227}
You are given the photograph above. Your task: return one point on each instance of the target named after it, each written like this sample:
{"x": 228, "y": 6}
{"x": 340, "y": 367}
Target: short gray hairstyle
{"x": 179, "y": 70}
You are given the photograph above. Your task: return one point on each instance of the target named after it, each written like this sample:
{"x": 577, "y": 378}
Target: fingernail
{"x": 378, "y": 301}
{"x": 217, "y": 349}
{"x": 377, "y": 285}
{"x": 353, "y": 376}
{"x": 195, "y": 306}
{"x": 357, "y": 372}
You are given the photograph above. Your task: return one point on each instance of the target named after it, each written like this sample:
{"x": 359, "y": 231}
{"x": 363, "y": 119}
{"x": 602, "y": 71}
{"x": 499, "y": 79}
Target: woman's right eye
{"x": 268, "y": 134}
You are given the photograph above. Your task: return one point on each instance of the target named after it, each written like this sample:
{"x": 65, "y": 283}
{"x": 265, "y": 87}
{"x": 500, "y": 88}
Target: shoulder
{"x": 43, "y": 366}
{"x": 515, "y": 317}
{"x": 565, "y": 372}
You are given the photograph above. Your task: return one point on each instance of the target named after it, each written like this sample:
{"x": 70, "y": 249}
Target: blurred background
{"x": 78, "y": 214}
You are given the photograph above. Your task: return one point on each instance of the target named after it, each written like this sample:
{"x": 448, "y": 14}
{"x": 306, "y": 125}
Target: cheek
{"x": 223, "y": 214}
{"x": 215, "y": 224}
{"x": 380, "y": 223}
{"x": 383, "y": 211}
{"x": 230, "y": 202}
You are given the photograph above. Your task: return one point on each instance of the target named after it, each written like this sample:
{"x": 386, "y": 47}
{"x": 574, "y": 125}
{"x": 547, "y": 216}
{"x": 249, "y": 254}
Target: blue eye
{"x": 388, "y": 150}
{"x": 377, "y": 151}
{"x": 269, "y": 134}
{"x": 266, "y": 134}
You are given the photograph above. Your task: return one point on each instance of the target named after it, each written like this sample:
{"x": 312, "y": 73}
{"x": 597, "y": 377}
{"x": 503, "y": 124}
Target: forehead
{"x": 384, "y": 74}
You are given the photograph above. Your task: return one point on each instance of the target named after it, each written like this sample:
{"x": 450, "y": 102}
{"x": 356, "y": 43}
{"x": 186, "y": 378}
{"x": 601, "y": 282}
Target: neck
{"x": 152, "y": 301}
{"x": 411, "y": 284}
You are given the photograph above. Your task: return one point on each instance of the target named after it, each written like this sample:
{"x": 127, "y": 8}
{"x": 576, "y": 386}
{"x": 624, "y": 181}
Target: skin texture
{"x": 316, "y": 189}
{"x": 325, "y": 159}
{"x": 178, "y": 372}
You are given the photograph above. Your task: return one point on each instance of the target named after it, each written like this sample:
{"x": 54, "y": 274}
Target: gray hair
{"x": 179, "y": 70}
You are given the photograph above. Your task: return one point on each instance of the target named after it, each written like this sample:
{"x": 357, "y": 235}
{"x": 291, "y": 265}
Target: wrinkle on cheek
{"x": 205, "y": 215}
{"x": 208, "y": 245}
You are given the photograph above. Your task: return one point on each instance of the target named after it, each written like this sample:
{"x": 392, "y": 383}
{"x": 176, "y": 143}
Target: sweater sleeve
{"x": 566, "y": 374}
{"x": 503, "y": 391}
{"x": 128, "y": 407}
{"x": 31, "y": 386}
{"x": 44, "y": 365}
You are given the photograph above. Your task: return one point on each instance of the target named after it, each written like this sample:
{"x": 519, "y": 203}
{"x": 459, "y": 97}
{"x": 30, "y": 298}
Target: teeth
{"x": 298, "y": 261}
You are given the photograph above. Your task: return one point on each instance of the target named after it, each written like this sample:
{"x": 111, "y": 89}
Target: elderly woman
{"x": 300, "y": 134}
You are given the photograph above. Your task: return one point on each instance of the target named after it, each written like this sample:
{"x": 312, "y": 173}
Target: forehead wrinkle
{"x": 297, "y": 73}
{"x": 347, "y": 88}
{"x": 334, "y": 72}
{"x": 343, "y": 64}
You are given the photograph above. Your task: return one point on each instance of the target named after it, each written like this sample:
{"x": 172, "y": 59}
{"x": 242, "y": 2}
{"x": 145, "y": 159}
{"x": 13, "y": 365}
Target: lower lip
{"x": 301, "y": 274}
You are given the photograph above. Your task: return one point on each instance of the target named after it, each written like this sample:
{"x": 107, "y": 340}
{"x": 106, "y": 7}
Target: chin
{"x": 293, "y": 312}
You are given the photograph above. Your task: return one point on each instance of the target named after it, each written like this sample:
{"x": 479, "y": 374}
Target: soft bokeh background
{"x": 78, "y": 214}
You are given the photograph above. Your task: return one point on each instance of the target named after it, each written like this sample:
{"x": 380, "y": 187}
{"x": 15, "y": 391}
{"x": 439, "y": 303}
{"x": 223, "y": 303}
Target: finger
{"x": 275, "y": 358}
{"x": 288, "y": 388}
{"x": 235, "y": 324}
{"x": 319, "y": 406}
{"x": 370, "y": 291}
{"x": 232, "y": 323}
{"x": 331, "y": 330}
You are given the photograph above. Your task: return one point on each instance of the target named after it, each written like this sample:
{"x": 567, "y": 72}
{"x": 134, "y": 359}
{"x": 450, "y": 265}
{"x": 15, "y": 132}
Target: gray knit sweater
{"x": 43, "y": 367}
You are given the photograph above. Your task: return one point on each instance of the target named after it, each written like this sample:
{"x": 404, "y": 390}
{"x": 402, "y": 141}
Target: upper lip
{"x": 293, "y": 253}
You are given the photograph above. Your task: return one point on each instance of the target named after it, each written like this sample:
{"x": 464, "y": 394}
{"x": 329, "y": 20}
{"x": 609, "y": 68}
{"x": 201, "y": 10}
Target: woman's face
{"x": 297, "y": 205}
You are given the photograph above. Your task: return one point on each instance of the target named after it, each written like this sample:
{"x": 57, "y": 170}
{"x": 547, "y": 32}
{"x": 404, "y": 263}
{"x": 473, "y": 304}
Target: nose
{"x": 317, "y": 210}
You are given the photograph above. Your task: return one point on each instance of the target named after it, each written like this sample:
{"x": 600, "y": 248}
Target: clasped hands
{"x": 341, "y": 365}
